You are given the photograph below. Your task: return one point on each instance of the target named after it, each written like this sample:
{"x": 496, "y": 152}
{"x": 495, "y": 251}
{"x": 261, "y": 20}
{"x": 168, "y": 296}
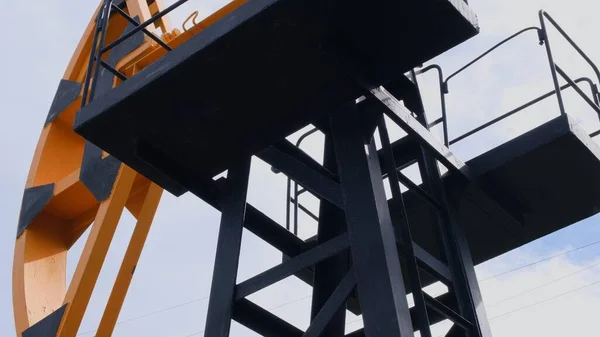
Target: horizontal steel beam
{"x": 304, "y": 174}
{"x": 291, "y": 266}
{"x": 397, "y": 113}
{"x": 261, "y": 321}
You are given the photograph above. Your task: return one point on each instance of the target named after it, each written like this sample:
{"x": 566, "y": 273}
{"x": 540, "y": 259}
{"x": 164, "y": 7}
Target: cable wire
{"x": 356, "y": 320}
{"x": 544, "y": 285}
{"x": 546, "y": 300}
{"x": 150, "y": 314}
{"x": 540, "y": 261}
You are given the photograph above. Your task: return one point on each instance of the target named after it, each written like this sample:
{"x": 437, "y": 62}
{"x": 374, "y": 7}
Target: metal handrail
{"x": 496, "y": 46}
{"x": 443, "y": 89}
{"x": 98, "y": 49}
{"x": 555, "y": 71}
{"x": 522, "y": 107}
{"x": 297, "y": 192}
{"x": 572, "y": 43}
{"x": 444, "y": 83}
{"x": 145, "y": 24}
{"x": 564, "y": 75}
{"x": 553, "y": 66}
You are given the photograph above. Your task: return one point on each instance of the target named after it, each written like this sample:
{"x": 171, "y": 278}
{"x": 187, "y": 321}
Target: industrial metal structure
{"x": 130, "y": 118}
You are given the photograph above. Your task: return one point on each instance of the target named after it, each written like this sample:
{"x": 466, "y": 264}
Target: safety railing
{"x": 295, "y": 198}
{"x": 556, "y": 71}
{"x": 98, "y": 48}
{"x": 443, "y": 83}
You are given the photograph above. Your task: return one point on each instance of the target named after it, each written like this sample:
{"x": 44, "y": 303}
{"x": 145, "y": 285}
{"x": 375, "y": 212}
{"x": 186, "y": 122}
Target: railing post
{"x": 98, "y": 57}
{"x": 544, "y": 39}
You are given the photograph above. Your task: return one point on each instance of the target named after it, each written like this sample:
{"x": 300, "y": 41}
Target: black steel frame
{"x": 360, "y": 241}
{"x": 98, "y": 48}
{"x": 556, "y": 71}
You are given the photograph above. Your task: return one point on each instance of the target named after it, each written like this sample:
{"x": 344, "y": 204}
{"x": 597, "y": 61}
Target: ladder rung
{"x": 443, "y": 310}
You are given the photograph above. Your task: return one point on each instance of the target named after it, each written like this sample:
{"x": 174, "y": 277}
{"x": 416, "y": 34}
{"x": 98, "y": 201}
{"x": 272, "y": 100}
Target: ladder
{"x": 469, "y": 316}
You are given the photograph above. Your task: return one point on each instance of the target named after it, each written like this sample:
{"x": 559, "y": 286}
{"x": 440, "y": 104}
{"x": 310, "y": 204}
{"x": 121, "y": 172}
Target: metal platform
{"x": 543, "y": 181}
{"x": 251, "y": 79}
{"x": 272, "y": 67}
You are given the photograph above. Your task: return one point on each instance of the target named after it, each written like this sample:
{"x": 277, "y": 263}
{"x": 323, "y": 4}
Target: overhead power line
{"x": 545, "y": 284}
{"x": 542, "y": 301}
{"x": 540, "y": 261}
{"x": 150, "y": 314}
{"x": 356, "y": 320}
{"x": 546, "y": 300}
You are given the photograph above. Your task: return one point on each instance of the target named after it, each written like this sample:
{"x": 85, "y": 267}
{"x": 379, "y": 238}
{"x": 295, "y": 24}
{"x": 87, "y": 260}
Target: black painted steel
{"x": 274, "y": 234}
{"x": 291, "y": 266}
{"x": 98, "y": 174}
{"x": 90, "y": 66}
{"x": 332, "y": 306}
{"x": 432, "y": 265}
{"x": 306, "y": 211}
{"x": 398, "y": 114}
{"x": 303, "y": 172}
{"x": 455, "y": 248}
{"x": 496, "y": 46}
{"x": 544, "y": 14}
{"x": 248, "y": 50}
{"x": 418, "y": 190}
{"x": 372, "y": 239}
{"x": 447, "y": 312}
{"x": 546, "y": 41}
{"x": 443, "y": 90}
{"x": 104, "y": 80}
{"x": 48, "y": 326}
{"x": 522, "y": 107}
{"x": 446, "y": 299}
{"x": 103, "y": 24}
{"x": 146, "y": 31}
{"x": 574, "y": 85}
{"x": 222, "y": 294}
{"x": 261, "y": 321}
{"x": 113, "y": 71}
{"x": 328, "y": 273}
{"x": 400, "y": 220}
{"x": 297, "y": 193}
{"x": 66, "y": 93}
{"x": 34, "y": 201}
{"x": 143, "y": 25}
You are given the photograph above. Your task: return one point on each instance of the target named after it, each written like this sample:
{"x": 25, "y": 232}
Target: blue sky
{"x": 176, "y": 266}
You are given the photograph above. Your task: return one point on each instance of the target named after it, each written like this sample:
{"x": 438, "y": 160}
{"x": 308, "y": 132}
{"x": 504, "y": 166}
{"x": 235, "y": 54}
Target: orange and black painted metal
{"x": 251, "y": 49}
{"x": 74, "y": 185}
{"x": 143, "y": 106}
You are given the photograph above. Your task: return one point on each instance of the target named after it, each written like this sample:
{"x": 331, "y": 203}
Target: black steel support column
{"x": 401, "y": 221}
{"x": 233, "y": 208}
{"x": 372, "y": 239}
{"x": 329, "y": 273}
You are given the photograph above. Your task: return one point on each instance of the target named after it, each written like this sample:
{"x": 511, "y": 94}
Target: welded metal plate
{"x": 548, "y": 178}
{"x": 265, "y": 70}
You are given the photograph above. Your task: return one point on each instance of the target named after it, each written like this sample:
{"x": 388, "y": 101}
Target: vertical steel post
{"x": 372, "y": 238}
{"x": 544, "y": 38}
{"x": 233, "y": 208}
{"x": 401, "y": 221}
{"x": 329, "y": 273}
